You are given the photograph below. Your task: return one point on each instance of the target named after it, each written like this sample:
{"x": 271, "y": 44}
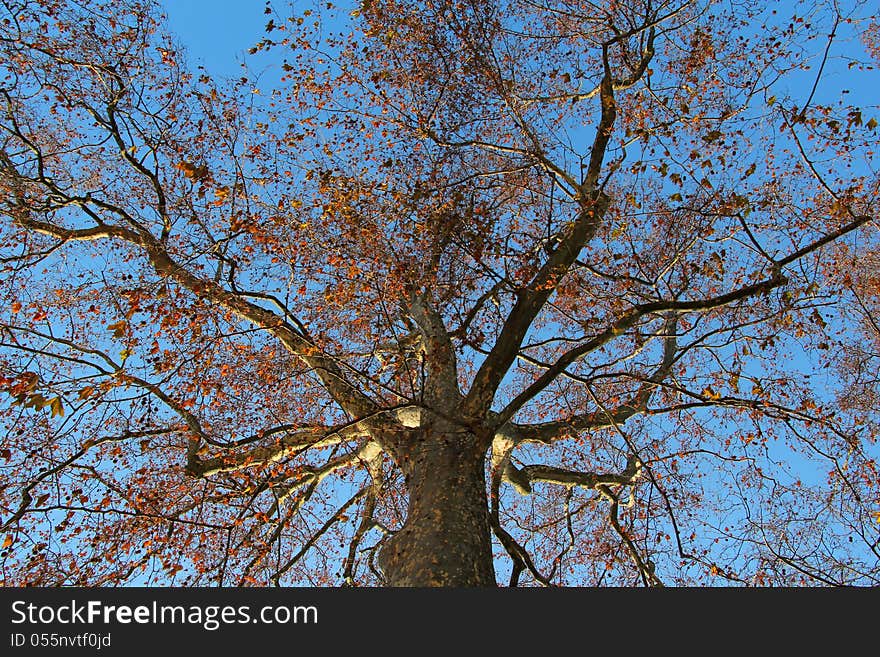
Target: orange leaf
{"x": 194, "y": 172}
{"x": 118, "y": 328}
{"x": 7, "y": 541}
{"x": 710, "y": 393}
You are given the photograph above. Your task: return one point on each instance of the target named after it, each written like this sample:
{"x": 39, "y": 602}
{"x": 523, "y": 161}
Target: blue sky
{"x": 216, "y": 33}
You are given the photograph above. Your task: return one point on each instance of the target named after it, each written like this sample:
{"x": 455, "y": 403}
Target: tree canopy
{"x": 447, "y": 292}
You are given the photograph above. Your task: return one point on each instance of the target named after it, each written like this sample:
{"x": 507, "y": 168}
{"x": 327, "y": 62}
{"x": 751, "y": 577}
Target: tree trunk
{"x": 445, "y": 540}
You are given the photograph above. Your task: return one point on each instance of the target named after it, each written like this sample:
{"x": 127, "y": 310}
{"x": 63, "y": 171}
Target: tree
{"x": 514, "y": 291}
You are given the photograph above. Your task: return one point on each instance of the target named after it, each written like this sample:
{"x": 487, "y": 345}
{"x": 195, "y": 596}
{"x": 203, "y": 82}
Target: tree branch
{"x": 624, "y": 323}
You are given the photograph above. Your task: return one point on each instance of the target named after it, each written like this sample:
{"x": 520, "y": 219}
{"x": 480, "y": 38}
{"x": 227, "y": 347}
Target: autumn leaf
{"x": 57, "y": 407}
{"x": 194, "y": 172}
{"x": 222, "y": 193}
{"x": 36, "y": 402}
{"x": 710, "y": 393}
{"x": 9, "y": 540}
{"x": 167, "y": 55}
{"x": 119, "y": 328}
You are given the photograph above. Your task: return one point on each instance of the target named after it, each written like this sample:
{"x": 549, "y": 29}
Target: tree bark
{"x": 445, "y": 540}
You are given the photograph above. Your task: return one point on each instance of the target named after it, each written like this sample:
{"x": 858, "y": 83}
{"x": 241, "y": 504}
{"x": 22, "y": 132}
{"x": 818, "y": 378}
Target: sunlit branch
{"x": 531, "y": 474}
{"x": 441, "y": 384}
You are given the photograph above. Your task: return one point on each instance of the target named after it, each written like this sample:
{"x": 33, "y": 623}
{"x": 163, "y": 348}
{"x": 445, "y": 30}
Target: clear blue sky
{"x": 216, "y": 33}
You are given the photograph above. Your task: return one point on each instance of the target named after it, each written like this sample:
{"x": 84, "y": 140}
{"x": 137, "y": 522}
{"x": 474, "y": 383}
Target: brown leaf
{"x": 57, "y": 407}
{"x": 119, "y": 328}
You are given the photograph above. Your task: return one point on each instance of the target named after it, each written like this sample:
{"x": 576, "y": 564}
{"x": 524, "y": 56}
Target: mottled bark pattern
{"x": 445, "y": 540}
